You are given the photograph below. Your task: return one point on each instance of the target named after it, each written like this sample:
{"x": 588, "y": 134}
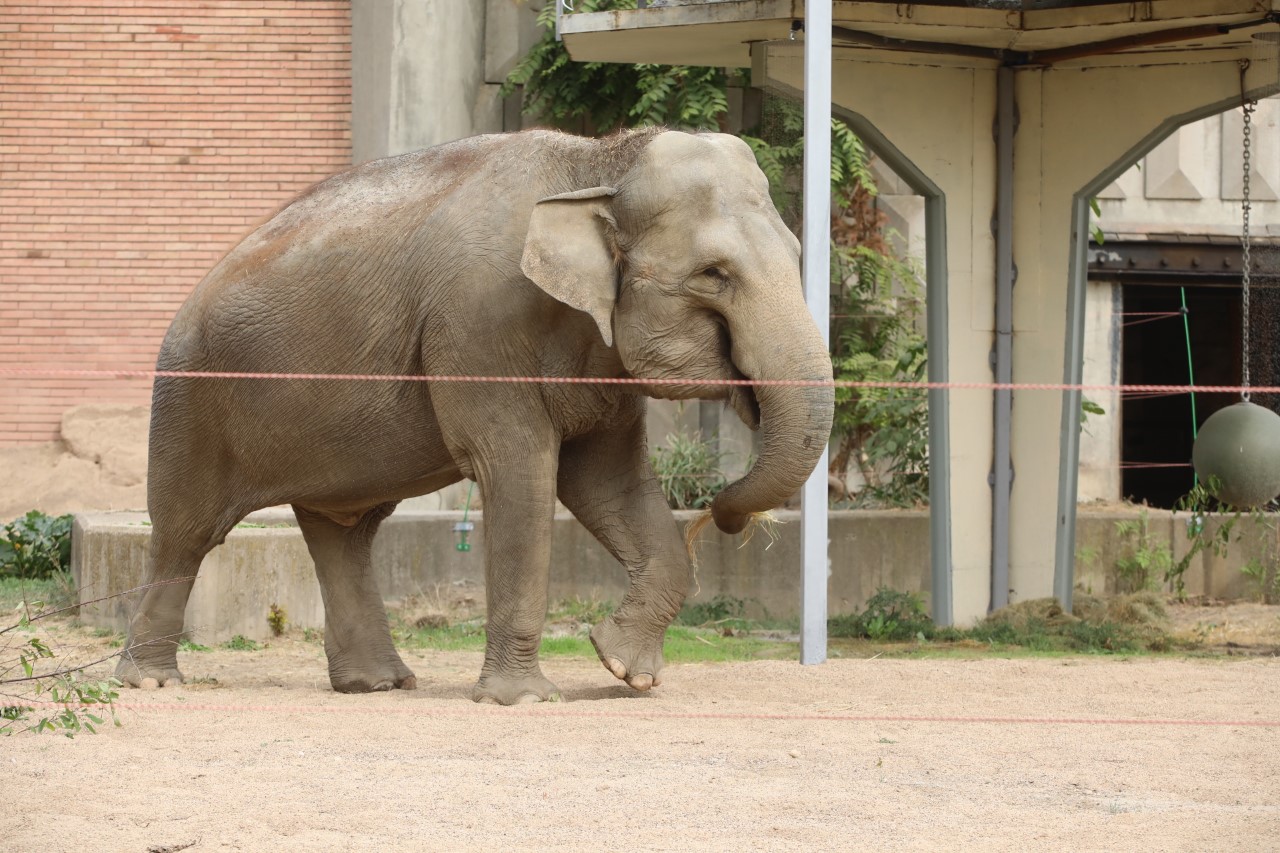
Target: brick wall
{"x": 138, "y": 142}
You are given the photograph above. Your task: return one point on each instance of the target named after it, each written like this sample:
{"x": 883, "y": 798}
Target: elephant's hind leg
{"x": 357, "y": 638}
{"x": 178, "y": 545}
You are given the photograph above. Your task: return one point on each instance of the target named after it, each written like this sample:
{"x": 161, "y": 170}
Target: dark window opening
{"x": 1158, "y": 429}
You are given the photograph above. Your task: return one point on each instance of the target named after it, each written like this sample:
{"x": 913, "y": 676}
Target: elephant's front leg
{"x": 605, "y": 480}
{"x": 519, "y": 502}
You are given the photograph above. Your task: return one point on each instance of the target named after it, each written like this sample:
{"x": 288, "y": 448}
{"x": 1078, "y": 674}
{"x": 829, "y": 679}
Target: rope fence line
{"x": 1131, "y": 466}
{"x": 53, "y": 373}
{"x": 552, "y": 713}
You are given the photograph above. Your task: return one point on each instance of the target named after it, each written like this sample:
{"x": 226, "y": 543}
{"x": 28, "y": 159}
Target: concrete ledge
{"x": 415, "y": 553}
{"x": 265, "y": 561}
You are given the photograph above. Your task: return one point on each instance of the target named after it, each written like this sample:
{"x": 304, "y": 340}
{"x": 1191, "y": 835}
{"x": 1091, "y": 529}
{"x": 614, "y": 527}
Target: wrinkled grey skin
{"x": 651, "y": 255}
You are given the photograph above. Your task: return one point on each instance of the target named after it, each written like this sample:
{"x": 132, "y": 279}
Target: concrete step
{"x": 265, "y": 561}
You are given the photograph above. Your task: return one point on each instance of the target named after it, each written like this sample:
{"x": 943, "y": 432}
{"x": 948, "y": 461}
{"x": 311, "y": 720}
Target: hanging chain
{"x": 1247, "y": 264}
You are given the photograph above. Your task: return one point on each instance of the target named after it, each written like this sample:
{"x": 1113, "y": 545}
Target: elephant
{"x": 650, "y": 255}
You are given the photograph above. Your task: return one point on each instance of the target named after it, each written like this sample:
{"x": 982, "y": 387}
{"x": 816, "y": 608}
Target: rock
{"x": 112, "y": 436}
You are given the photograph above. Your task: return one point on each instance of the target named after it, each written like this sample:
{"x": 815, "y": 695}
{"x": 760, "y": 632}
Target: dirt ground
{"x": 992, "y": 754}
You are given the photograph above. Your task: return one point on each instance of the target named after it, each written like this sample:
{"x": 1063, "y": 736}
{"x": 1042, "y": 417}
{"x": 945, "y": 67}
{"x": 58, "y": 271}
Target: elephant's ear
{"x": 567, "y": 253}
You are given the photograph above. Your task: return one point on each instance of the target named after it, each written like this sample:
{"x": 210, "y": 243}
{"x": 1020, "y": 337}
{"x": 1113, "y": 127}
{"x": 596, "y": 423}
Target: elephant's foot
{"x": 349, "y": 676}
{"x": 148, "y": 675}
{"x": 497, "y": 689}
{"x": 630, "y": 655}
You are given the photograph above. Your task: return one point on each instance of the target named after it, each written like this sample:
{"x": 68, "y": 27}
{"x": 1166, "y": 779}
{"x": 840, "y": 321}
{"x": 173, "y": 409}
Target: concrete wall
{"x": 425, "y": 72}
{"x": 1192, "y": 183}
{"x": 1100, "y": 434}
{"x": 415, "y": 554}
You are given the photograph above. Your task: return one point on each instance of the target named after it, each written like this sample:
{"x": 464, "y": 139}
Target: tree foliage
{"x": 605, "y": 96}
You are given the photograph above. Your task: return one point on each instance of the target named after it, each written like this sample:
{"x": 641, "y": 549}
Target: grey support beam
{"x": 817, "y": 291}
{"x": 1072, "y": 374}
{"x": 1002, "y": 461}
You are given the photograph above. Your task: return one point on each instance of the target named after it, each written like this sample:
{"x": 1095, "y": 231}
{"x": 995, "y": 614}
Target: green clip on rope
{"x": 463, "y": 528}
{"x": 1191, "y": 373}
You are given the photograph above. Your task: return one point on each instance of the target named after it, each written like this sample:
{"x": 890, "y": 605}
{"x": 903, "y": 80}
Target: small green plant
{"x": 1202, "y": 502}
{"x": 1144, "y": 560}
{"x": 722, "y": 608}
{"x": 1087, "y": 408}
{"x": 241, "y": 643}
{"x": 689, "y": 470}
{"x": 278, "y": 620}
{"x": 1262, "y": 576}
{"x": 36, "y": 546}
{"x": 187, "y": 645}
{"x": 889, "y": 615}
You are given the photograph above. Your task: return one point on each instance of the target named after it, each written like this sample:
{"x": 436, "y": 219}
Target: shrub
{"x": 889, "y": 615}
{"x": 36, "y": 546}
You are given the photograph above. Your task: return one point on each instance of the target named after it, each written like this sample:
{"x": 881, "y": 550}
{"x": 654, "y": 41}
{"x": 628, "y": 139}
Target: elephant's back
{"x": 357, "y": 258}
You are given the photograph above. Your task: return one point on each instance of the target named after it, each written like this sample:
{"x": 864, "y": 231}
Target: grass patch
{"x": 569, "y": 623}
{"x": 1126, "y": 624}
{"x": 51, "y": 592}
{"x": 186, "y": 645}
{"x": 893, "y": 624}
{"x": 241, "y": 643}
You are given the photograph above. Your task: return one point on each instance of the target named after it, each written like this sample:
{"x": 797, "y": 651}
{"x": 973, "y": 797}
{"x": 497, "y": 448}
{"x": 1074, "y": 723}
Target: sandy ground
{"x": 1090, "y": 753}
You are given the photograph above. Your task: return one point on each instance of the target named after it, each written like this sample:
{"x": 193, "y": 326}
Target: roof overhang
{"x": 1030, "y": 32}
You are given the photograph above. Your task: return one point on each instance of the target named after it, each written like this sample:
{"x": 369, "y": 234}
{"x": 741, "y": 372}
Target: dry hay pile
{"x": 1134, "y": 620}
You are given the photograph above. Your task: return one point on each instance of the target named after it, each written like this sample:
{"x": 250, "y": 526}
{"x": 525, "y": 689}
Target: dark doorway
{"x": 1157, "y": 430}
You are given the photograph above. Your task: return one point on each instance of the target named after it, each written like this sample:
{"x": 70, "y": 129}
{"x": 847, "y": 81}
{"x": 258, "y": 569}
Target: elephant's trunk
{"x": 795, "y": 420}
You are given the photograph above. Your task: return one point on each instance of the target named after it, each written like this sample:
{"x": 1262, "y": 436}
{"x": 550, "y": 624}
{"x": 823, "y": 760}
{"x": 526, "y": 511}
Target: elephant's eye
{"x": 716, "y": 273}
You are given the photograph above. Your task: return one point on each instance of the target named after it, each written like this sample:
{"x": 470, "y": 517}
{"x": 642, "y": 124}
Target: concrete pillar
{"x": 425, "y": 72}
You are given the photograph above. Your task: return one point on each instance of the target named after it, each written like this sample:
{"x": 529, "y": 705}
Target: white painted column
{"x": 817, "y": 292}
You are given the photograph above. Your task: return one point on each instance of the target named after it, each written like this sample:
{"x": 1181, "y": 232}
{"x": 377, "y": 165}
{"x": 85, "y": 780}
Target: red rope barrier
{"x": 54, "y": 373}
{"x": 551, "y": 712}
{"x": 1136, "y": 465}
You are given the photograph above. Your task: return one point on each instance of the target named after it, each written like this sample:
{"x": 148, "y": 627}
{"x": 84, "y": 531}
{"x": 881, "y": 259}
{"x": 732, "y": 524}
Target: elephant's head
{"x": 688, "y": 270}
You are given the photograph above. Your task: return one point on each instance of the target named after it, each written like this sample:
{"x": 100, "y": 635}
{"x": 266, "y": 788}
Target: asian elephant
{"x": 649, "y": 254}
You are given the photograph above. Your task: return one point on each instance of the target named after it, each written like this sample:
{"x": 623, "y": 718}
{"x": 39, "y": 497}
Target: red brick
{"x": 103, "y": 231}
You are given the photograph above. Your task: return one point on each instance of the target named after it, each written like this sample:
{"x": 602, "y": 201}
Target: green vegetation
{"x": 888, "y": 616}
{"x": 1127, "y": 623}
{"x": 689, "y": 469}
{"x": 892, "y": 623}
{"x": 36, "y": 546}
{"x": 32, "y": 671}
{"x": 278, "y": 620}
{"x": 15, "y": 591}
{"x": 1263, "y": 579}
{"x": 1144, "y": 561}
{"x": 601, "y": 97}
{"x": 241, "y": 643}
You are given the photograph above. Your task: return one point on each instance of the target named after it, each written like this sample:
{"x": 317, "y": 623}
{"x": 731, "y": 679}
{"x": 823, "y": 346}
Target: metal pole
{"x": 817, "y": 293}
{"x": 1002, "y": 464}
{"x": 1064, "y": 555}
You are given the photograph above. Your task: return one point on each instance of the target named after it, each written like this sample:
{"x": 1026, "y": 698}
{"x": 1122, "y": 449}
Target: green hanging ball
{"x": 1240, "y": 447}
